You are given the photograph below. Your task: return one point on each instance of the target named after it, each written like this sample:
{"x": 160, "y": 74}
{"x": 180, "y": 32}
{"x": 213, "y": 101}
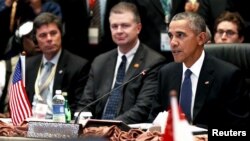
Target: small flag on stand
{"x": 177, "y": 127}
{"x": 20, "y": 107}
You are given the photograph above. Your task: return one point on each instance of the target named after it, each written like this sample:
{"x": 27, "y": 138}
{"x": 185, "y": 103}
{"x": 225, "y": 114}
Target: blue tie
{"x": 186, "y": 95}
{"x": 116, "y": 96}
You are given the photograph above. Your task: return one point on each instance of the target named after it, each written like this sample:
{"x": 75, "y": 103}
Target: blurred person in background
{"x": 155, "y": 16}
{"x": 242, "y": 7}
{"x": 14, "y": 13}
{"x": 210, "y": 11}
{"x": 77, "y": 21}
{"x": 229, "y": 28}
{"x": 21, "y": 41}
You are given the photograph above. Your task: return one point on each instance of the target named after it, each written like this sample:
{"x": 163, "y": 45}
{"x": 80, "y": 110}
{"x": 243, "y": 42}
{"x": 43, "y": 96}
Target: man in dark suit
{"x": 217, "y": 90}
{"x": 136, "y": 96}
{"x": 69, "y": 72}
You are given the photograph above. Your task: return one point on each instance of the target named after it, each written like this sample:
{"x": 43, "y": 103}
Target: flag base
{"x": 39, "y": 129}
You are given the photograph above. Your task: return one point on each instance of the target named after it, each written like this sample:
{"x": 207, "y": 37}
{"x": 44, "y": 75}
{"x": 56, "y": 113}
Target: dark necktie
{"x": 116, "y": 96}
{"x": 186, "y": 95}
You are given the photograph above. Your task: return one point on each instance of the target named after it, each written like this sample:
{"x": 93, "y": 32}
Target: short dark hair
{"x": 233, "y": 17}
{"x": 45, "y": 19}
{"x": 196, "y": 22}
{"x": 126, "y": 6}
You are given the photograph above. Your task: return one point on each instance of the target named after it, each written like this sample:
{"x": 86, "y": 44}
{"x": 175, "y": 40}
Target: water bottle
{"x": 66, "y": 108}
{"x": 58, "y": 102}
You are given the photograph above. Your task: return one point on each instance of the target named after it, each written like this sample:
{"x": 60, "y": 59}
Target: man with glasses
{"x": 229, "y": 28}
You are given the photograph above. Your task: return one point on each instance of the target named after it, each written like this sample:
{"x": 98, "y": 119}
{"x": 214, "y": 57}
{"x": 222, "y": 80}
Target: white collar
{"x": 54, "y": 60}
{"x": 196, "y": 67}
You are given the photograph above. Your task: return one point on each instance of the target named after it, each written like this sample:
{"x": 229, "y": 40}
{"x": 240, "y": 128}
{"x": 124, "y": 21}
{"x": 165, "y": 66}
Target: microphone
{"x": 143, "y": 73}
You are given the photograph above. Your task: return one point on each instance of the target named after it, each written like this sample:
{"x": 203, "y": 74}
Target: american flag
{"x": 20, "y": 107}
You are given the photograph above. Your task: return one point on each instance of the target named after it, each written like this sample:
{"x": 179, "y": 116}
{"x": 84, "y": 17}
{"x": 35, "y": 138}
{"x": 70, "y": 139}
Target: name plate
{"x": 38, "y": 129}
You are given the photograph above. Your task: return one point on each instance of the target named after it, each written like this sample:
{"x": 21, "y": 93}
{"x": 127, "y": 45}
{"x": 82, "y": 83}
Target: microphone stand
{"x": 108, "y": 94}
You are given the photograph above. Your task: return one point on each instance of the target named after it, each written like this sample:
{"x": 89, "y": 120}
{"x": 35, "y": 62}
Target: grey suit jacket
{"x": 71, "y": 76}
{"x": 219, "y": 99}
{"x": 137, "y": 94}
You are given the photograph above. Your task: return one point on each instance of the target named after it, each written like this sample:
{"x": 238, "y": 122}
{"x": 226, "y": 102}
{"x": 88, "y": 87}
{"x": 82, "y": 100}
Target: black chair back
{"x": 237, "y": 54}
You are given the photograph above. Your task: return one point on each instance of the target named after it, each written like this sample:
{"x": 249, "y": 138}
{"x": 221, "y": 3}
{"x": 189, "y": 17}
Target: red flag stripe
{"x": 14, "y": 106}
{"x": 19, "y": 101}
{"x": 20, "y": 107}
{"x": 26, "y": 100}
{"x": 23, "y": 100}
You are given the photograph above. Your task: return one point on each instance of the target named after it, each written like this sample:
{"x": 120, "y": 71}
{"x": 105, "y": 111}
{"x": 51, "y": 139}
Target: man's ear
{"x": 202, "y": 38}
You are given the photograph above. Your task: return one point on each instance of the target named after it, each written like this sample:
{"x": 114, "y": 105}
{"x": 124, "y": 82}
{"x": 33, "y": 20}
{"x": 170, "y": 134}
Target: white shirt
{"x": 129, "y": 55}
{"x": 54, "y": 60}
{"x": 196, "y": 69}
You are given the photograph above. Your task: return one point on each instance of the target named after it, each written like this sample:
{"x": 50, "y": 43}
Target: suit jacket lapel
{"x": 32, "y": 76}
{"x": 136, "y": 64}
{"x": 177, "y": 79}
{"x": 37, "y": 65}
{"x": 204, "y": 85}
{"x": 60, "y": 71}
{"x": 109, "y": 75}
{"x": 173, "y": 81}
{"x": 134, "y": 69}
{"x": 111, "y": 64}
